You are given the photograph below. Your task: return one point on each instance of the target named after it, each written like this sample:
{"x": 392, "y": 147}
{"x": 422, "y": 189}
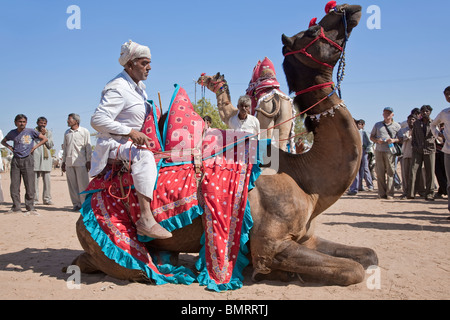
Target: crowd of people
{"x": 419, "y": 144}
{"x": 423, "y": 152}
{"x": 32, "y": 161}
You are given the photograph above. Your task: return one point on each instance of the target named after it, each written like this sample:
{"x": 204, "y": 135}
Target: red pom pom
{"x": 313, "y": 22}
{"x": 330, "y": 5}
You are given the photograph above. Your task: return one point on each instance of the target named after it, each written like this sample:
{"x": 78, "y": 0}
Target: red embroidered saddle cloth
{"x": 226, "y": 168}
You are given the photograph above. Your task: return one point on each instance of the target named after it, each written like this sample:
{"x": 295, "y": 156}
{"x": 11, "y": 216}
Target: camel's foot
{"x": 85, "y": 263}
{"x": 90, "y": 265}
{"x": 365, "y": 256}
{"x": 310, "y": 265}
{"x": 276, "y": 275}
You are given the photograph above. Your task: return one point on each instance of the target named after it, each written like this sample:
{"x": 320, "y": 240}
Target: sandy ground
{"x": 410, "y": 237}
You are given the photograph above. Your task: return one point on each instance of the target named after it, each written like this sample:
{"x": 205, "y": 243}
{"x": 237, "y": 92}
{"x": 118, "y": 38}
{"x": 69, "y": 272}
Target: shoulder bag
{"x": 398, "y": 148}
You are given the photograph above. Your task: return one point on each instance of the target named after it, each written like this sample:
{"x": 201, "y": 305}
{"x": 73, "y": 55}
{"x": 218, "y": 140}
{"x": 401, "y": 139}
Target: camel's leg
{"x": 312, "y": 265}
{"x": 94, "y": 259}
{"x": 86, "y": 264}
{"x": 265, "y": 123}
{"x": 283, "y": 119}
{"x": 365, "y": 256}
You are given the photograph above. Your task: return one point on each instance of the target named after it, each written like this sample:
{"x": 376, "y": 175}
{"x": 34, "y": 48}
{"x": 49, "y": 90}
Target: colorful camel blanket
{"x": 263, "y": 84}
{"x": 263, "y": 80}
{"x": 229, "y": 168}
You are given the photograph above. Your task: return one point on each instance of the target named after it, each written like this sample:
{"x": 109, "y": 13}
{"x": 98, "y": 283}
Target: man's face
{"x": 140, "y": 68}
{"x": 71, "y": 121}
{"x": 41, "y": 124}
{"x": 21, "y": 123}
{"x": 425, "y": 113}
{"x": 244, "y": 109}
{"x": 387, "y": 115}
{"x": 411, "y": 122}
{"x": 447, "y": 95}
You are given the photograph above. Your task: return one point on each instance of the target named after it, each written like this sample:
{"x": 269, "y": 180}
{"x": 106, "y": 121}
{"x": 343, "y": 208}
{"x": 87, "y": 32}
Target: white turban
{"x": 131, "y": 50}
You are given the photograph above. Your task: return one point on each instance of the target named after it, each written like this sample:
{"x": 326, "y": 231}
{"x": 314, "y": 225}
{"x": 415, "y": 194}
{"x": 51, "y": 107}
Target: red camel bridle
{"x": 341, "y": 68}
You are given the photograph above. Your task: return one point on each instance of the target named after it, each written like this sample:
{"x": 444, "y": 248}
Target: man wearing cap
{"x": 384, "y": 133}
{"x": 119, "y": 119}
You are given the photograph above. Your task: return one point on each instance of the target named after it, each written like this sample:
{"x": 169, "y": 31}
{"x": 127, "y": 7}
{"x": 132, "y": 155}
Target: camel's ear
{"x": 287, "y": 41}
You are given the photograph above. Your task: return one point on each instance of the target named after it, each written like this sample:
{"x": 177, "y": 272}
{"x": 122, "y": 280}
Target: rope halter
{"x": 320, "y": 36}
{"x": 341, "y": 67}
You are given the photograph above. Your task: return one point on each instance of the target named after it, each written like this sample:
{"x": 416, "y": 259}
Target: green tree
{"x": 204, "y": 107}
{"x": 301, "y": 132}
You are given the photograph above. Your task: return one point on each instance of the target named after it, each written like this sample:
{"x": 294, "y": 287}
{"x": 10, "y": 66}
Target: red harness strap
{"x": 320, "y": 36}
{"x": 316, "y": 87}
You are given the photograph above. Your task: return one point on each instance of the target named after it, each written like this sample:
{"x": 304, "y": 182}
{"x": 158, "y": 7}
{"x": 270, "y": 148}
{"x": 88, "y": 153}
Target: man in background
{"x": 43, "y": 163}
{"x": 423, "y": 152}
{"x": 76, "y": 161}
{"x": 444, "y": 117}
{"x": 2, "y": 199}
{"x": 22, "y": 163}
{"x": 384, "y": 133}
{"x": 243, "y": 120}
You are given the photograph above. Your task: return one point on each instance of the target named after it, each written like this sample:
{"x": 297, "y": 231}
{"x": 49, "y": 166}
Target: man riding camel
{"x": 119, "y": 119}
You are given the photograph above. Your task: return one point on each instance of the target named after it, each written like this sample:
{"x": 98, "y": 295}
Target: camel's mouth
{"x": 353, "y": 15}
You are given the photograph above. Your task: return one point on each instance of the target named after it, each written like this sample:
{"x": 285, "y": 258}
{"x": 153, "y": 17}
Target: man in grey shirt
{"x": 384, "y": 133}
{"x": 22, "y": 164}
{"x": 43, "y": 163}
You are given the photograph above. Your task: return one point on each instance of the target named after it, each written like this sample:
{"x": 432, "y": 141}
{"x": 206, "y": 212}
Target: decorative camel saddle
{"x": 200, "y": 173}
{"x": 263, "y": 84}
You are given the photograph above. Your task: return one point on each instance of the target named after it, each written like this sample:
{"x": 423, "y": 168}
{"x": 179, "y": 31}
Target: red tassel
{"x": 313, "y": 22}
{"x": 330, "y": 5}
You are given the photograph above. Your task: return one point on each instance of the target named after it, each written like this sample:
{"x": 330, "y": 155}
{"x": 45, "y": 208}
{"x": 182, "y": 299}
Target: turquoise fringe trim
{"x": 180, "y": 275}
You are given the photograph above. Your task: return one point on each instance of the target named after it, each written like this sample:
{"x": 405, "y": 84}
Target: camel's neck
{"x": 225, "y": 107}
{"x": 328, "y": 169}
{"x": 314, "y": 78}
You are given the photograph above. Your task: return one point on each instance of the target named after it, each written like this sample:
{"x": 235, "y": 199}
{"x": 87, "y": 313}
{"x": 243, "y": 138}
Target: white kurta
{"x": 249, "y": 125}
{"x": 123, "y": 107}
{"x": 442, "y": 117}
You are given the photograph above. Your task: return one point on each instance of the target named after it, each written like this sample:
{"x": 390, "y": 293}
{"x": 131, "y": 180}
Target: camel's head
{"x": 214, "y": 83}
{"x": 320, "y": 46}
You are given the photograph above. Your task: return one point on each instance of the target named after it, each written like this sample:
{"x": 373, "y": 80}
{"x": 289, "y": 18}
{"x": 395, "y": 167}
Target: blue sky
{"x": 49, "y": 70}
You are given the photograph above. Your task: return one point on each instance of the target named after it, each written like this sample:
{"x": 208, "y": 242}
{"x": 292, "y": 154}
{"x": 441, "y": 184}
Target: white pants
{"x": 143, "y": 166}
{"x": 1, "y": 191}
{"x": 46, "y": 193}
{"x": 77, "y": 181}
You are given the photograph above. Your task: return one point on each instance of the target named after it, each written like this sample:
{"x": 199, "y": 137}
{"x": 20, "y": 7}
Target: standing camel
{"x": 285, "y": 205}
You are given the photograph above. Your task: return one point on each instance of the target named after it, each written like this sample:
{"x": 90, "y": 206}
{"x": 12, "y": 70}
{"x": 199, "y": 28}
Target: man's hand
{"x": 139, "y": 138}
